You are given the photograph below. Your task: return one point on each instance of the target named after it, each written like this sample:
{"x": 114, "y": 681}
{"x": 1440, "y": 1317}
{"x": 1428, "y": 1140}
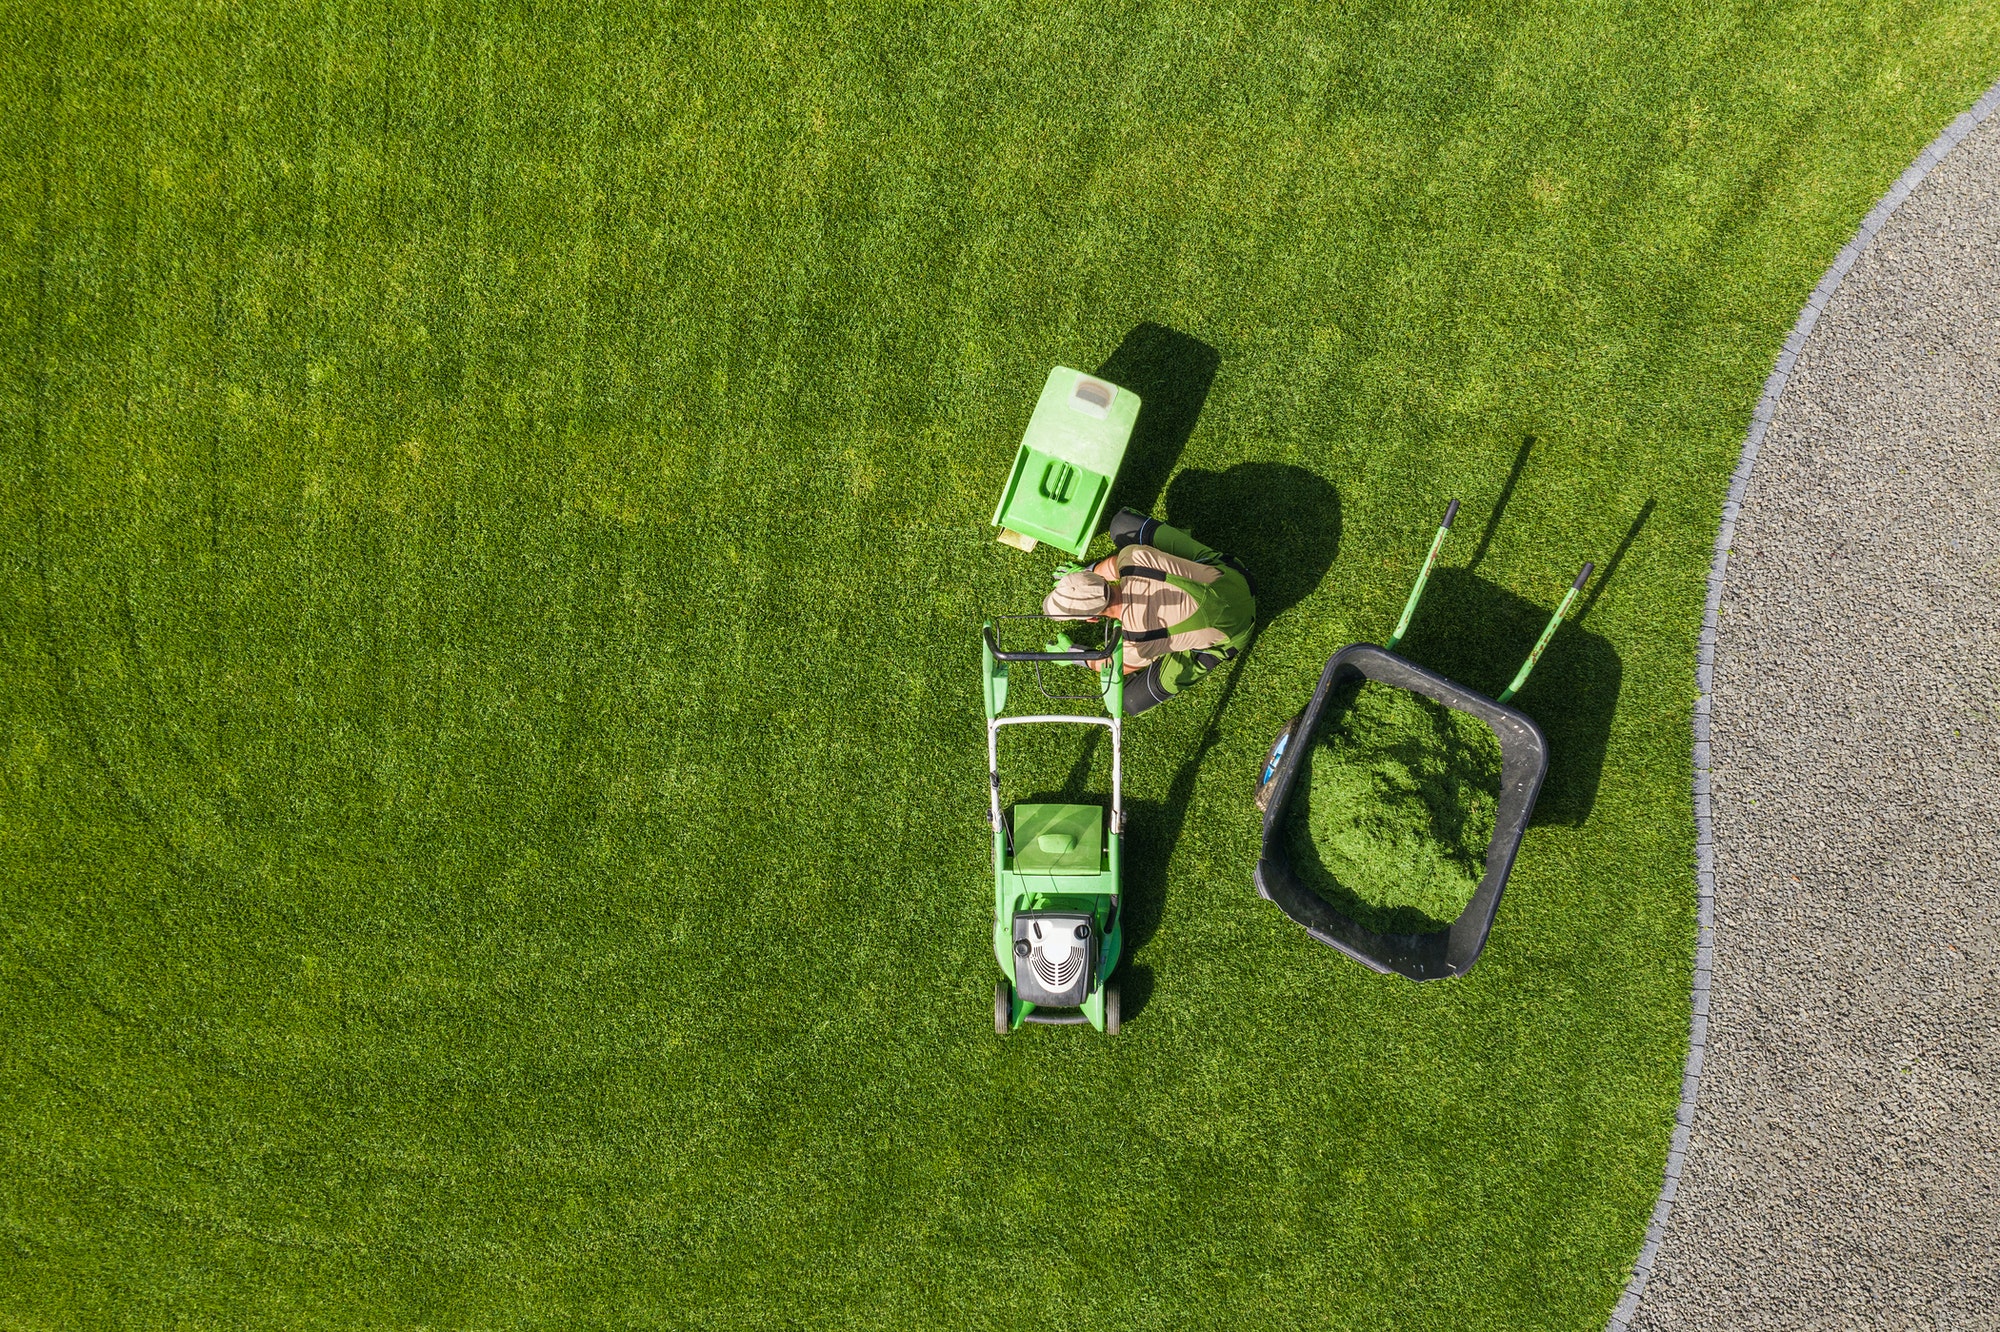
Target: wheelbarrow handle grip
{"x": 1583, "y": 577}
{"x": 1450, "y": 512}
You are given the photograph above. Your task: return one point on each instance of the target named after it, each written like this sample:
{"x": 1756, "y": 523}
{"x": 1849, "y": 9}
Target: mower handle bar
{"x": 1110, "y": 648}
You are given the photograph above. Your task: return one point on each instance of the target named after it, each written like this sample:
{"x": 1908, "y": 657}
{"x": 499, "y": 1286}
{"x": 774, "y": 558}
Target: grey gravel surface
{"x": 1844, "y": 1165}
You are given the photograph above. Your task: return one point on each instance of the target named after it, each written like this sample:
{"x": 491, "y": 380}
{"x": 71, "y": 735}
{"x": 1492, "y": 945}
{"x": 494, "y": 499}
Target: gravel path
{"x": 1844, "y": 1164}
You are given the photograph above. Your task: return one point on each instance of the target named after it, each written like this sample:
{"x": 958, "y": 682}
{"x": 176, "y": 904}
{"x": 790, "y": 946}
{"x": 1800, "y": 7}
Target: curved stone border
{"x": 1739, "y": 481}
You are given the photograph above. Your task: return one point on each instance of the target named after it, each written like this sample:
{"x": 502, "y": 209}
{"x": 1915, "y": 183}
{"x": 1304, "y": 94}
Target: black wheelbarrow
{"x": 1524, "y": 761}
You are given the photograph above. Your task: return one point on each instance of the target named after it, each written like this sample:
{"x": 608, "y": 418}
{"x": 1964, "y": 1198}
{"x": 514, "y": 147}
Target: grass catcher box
{"x": 1067, "y": 461}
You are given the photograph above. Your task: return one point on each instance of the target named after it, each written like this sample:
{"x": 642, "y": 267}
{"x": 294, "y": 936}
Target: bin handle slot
{"x": 1058, "y": 479}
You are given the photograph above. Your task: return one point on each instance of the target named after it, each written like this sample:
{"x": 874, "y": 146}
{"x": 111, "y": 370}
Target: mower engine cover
{"x": 1055, "y": 954}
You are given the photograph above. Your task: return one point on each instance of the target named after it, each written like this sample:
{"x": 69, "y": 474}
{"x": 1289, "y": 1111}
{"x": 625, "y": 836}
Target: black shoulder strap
{"x": 1232, "y": 562}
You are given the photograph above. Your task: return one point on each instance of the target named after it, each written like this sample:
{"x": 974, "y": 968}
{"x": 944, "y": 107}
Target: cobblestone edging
{"x": 1760, "y": 420}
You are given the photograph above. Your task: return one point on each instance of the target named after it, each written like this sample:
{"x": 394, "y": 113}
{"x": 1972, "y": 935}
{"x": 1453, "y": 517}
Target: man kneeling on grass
{"x": 1186, "y": 609}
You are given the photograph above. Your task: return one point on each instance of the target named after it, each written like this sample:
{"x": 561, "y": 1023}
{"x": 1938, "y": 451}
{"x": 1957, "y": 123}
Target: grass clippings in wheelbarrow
{"x": 1400, "y": 794}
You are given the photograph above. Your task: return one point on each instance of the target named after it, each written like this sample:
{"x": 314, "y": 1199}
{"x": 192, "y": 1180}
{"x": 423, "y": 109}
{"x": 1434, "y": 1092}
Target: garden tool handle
{"x": 1521, "y": 677}
{"x": 1423, "y": 576}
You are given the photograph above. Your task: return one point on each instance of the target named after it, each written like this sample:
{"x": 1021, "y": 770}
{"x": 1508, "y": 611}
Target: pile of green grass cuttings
{"x": 1392, "y": 814}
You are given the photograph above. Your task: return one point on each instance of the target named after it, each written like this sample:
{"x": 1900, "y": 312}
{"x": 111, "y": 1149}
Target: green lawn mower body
{"x": 1056, "y": 867}
{"x": 1066, "y": 463}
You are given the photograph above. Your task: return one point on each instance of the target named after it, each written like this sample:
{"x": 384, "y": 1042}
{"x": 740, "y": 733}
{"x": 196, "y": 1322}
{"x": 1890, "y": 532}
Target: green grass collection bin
{"x": 1068, "y": 459}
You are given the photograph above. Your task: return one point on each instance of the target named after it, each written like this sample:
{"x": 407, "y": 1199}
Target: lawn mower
{"x": 1056, "y": 927}
{"x": 1524, "y": 761}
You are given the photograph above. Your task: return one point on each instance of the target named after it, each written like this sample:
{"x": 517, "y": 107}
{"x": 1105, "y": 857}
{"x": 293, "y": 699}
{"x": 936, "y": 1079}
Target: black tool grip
{"x": 1583, "y": 577}
{"x": 1450, "y": 512}
{"x": 1113, "y": 640}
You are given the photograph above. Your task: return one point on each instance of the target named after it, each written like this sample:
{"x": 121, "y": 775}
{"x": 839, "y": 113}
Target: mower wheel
{"x": 1111, "y": 1009}
{"x": 1003, "y": 1008}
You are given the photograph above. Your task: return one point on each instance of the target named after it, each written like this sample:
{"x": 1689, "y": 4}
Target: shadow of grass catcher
{"x": 1524, "y": 761}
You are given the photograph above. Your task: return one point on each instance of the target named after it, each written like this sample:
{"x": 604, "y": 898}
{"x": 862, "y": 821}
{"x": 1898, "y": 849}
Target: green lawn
{"x": 493, "y": 508}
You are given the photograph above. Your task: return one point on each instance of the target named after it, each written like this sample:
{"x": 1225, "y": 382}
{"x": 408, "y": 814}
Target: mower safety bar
{"x": 1111, "y": 724}
{"x": 1063, "y": 1019}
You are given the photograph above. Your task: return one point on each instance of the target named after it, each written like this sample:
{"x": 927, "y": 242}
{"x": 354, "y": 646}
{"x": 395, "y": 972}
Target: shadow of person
{"x": 1171, "y": 372}
{"x": 1282, "y": 521}
{"x": 1478, "y": 633}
